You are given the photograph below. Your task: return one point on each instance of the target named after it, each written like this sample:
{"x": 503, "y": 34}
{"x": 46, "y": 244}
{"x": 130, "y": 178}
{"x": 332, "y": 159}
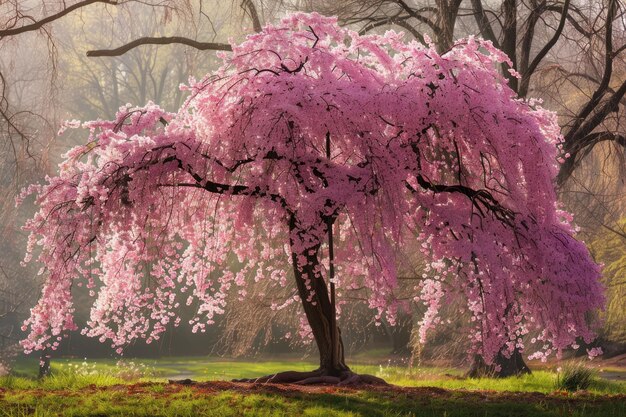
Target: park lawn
{"x": 104, "y": 388}
{"x": 112, "y": 371}
{"x": 240, "y": 399}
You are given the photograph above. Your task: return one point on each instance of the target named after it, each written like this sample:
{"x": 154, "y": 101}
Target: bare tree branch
{"x": 160, "y": 41}
{"x": 40, "y": 23}
{"x": 250, "y": 9}
{"x": 528, "y": 72}
{"x": 394, "y": 20}
{"x": 414, "y": 14}
{"x": 606, "y": 78}
{"x": 585, "y": 145}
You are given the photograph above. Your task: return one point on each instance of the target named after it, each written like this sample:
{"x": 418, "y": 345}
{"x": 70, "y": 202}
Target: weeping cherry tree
{"x": 305, "y": 129}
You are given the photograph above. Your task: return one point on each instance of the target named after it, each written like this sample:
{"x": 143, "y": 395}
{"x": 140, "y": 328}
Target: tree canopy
{"x": 305, "y": 126}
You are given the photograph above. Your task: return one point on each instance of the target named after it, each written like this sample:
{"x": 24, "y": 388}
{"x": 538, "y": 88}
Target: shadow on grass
{"x": 228, "y": 399}
{"x": 435, "y": 402}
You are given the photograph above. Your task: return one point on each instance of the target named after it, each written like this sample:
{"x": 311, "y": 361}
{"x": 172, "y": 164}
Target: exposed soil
{"x": 419, "y": 394}
{"x": 414, "y": 393}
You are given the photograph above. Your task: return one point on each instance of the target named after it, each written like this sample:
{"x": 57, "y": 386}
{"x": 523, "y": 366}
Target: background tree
{"x": 609, "y": 249}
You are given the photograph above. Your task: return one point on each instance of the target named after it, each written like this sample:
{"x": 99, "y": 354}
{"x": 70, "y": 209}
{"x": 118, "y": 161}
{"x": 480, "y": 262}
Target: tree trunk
{"x": 512, "y": 366}
{"x": 318, "y": 308}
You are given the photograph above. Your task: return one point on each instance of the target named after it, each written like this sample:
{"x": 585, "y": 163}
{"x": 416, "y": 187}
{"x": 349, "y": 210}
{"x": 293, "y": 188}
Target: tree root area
{"x": 317, "y": 377}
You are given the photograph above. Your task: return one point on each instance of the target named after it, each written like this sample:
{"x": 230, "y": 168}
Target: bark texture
{"x": 318, "y": 309}
{"x": 512, "y": 366}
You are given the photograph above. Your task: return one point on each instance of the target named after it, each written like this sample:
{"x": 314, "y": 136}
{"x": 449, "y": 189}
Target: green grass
{"x": 104, "y": 388}
{"x": 105, "y": 372}
{"x": 122, "y": 401}
{"x": 575, "y": 377}
{"x": 197, "y": 368}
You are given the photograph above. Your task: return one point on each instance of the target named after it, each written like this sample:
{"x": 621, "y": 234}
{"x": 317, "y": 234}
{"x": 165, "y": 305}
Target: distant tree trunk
{"x": 446, "y": 19}
{"x": 512, "y": 366}
{"x": 401, "y": 334}
{"x": 318, "y": 309}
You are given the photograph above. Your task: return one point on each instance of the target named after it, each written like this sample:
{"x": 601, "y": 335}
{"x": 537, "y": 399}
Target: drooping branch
{"x": 40, "y": 23}
{"x": 166, "y": 40}
{"x": 483, "y": 197}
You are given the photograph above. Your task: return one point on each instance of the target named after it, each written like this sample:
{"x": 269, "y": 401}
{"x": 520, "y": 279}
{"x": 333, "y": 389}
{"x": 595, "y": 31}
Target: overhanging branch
{"x": 39, "y": 23}
{"x": 481, "y": 196}
{"x": 166, "y": 40}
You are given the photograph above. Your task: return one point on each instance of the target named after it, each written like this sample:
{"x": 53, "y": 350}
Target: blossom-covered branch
{"x": 429, "y": 150}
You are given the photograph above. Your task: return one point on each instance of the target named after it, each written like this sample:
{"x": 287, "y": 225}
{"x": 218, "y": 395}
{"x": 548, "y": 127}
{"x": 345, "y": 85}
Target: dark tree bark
{"x": 446, "y": 20}
{"x": 321, "y": 316}
{"x": 318, "y": 309}
{"x": 513, "y": 366}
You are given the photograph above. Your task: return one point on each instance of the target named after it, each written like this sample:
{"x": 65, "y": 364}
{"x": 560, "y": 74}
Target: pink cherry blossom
{"x": 428, "y": 151}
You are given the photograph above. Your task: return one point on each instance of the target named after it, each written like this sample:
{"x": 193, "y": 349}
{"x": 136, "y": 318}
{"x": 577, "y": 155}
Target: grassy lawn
{"x": 140, "y": 388}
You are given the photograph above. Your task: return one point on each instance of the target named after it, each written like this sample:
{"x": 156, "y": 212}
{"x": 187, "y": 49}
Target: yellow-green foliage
{"x": 609, "y": 248}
